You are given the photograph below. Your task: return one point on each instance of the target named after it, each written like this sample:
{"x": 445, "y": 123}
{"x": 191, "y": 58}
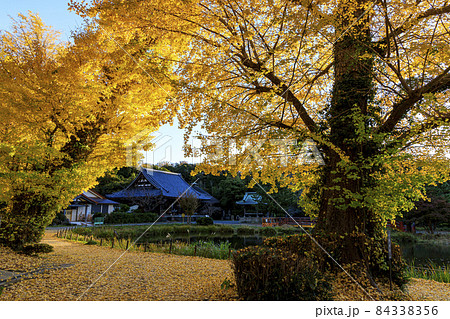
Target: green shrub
{"x": 123, "y": 208}
{"x": 246, "y": 230}
{"x": 266, "y": 273}
{"x": 267, "y": 231}
{"x": 293, "y": 243}
{"x": 225, "y": 229}
{"x": 91, "y": 242}
{"x": 205, "y": 221}
{"x": 35, "y": 249}
{"x": 288, "y": 230}
{"x": 60, "y": 219}
{"x": 130, "y": 218}
{"x": 17, "y": 233}
{"x": 108, "y": 232}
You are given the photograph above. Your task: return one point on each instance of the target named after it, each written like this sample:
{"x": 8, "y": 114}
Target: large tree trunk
{"x": 341, "y": 213}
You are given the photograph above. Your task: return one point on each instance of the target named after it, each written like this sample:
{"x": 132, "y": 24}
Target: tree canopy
{"x": 367, "y": 81}
{"x": 66, "y": 110}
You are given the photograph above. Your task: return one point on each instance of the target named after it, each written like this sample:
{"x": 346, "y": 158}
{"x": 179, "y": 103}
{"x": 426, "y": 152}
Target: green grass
{"x": 404, "y": 238}
{"x": 207, "y": 249}
{"x": 430, "y": 272}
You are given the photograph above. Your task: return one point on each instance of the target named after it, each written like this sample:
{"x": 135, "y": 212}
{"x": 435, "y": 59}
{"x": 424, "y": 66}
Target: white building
{"x": 87, "y": 204}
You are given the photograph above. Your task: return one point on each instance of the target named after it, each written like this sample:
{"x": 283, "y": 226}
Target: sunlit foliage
{"x": 66, "y": 113}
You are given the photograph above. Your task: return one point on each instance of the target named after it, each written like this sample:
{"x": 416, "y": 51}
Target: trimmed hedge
{"x": 267, "y": 273}
{"x": 205, "y": 221}
{"x": 246, "y": 230}
{"x": 293, "y": 243}
{"x": 267, "y": 231}
{"x": 130, "y": 218}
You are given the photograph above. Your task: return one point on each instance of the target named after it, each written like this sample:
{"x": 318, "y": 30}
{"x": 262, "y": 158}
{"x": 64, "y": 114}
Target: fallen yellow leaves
{"x": 145, "y": 276}
{"x": 135, "y": 276}
{"x": 422, "y": 289}
{"x": 416, "y": 290}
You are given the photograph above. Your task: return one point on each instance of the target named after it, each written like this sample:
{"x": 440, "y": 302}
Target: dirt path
{"x": 117, "y": 275}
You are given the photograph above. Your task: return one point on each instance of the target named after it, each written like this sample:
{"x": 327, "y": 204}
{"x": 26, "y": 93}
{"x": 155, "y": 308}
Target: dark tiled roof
{"x": 107, "y": 202}
{"x": 250, "y": 198}
{"x": 97, "y": 201}
{"x": 167, "y": 184}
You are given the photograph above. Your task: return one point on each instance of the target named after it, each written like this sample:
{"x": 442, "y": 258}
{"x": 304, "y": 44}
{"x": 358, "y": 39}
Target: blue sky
{"x": 55, "y": 13}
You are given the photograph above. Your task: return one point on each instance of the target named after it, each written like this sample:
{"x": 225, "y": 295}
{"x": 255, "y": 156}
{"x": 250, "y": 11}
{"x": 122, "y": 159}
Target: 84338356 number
{"x": 407, "y": 310}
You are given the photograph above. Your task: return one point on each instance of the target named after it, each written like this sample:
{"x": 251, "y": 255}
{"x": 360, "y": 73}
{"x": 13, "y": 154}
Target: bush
{"x": 293, "y": 243}
{"x": 130, "y": 218}
{"x": 123, "y": 208}
{"x": 266, "y": 273}
{"x": 246, "y": 230}
{"x": 60, "y": 219}
{"x": 267, "y": 231}
{"x": 37, "y": 249}
{"x": 288, "y": 230}
{"x": 205, "y": 221}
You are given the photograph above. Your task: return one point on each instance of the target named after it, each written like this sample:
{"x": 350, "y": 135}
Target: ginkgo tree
{"x": 66, "y": 110}
{"x": 367, "y": 81}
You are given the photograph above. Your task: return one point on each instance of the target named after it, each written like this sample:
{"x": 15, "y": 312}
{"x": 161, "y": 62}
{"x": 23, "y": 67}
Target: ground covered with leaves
{"x": 101, "y": 273}
{"x": 133, "y": 276}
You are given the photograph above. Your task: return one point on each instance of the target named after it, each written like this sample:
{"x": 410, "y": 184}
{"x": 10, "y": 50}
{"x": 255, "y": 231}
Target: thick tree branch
{"x": 406, "y": 138}
{"x": 382, "y": 46}
{"x": 438, "y": 84}
{"x": 282, "y": 91}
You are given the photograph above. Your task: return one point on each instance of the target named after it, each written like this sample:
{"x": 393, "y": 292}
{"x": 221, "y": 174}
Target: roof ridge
{"x": 158, "y": 170}
{"x": 149, "y": 176}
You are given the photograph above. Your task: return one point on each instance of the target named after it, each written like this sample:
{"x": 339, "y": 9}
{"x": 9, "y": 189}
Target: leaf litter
{"x": 102, "y": 273}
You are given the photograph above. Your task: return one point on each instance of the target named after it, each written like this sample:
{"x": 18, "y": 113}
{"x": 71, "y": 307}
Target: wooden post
{"x": 112, "y": 243}
{"x": 170, "y": 247}
{"x": 229, "y": 253}
{"x": 101, "y": 241}
{"x": 77, "y": 238}
{"x": 128, "y": 241}
{"x": 195, "y": 250}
